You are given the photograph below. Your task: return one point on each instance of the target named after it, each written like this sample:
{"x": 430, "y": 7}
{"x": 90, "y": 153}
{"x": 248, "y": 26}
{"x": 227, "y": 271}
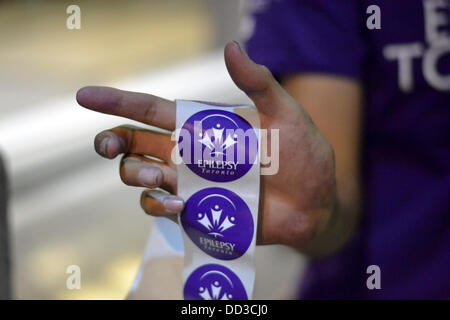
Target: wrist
{"x": 328, "y": 236}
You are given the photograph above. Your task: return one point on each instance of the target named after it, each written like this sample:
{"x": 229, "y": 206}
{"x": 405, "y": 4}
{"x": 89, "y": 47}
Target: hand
{"x": 296, "y": 204}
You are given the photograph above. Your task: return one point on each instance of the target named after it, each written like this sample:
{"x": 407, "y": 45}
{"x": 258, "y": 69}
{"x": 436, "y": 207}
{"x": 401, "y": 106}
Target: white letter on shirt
{"x": 404, "y": 53}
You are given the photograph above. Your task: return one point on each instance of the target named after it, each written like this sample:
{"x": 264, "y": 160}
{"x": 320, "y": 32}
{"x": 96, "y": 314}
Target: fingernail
{"x": 158, "y": 195}
{"x": 242, "y": 51}
{"x": 104, "y": 145}
{"x": 173, "y": 205}
{"x": 108, "y": 140}
{"x": 131, "y": 159}
{"x": 237, "y": 43}
{"x": 149, "y": 177}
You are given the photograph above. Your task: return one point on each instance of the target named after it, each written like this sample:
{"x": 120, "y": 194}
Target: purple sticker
{"x": 218, "y": 145}
{"x": 214, "y": 282}
{"x": 218, "y": 222}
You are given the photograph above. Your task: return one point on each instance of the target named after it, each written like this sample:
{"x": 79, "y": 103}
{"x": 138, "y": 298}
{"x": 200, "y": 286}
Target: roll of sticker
{"x": 218, "y": 169}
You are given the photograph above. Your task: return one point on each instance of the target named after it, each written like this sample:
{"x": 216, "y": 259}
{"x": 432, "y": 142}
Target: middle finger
{"x": 129, "y": 139}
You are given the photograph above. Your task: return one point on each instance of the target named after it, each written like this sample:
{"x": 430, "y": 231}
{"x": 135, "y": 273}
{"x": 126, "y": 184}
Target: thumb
{"x": 254, "y": 79}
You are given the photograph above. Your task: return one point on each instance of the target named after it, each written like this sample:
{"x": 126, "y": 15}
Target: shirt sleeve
{"x": 299, "y": 36}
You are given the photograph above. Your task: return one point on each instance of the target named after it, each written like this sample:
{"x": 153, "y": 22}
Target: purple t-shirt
{"x": 405, "y": 69}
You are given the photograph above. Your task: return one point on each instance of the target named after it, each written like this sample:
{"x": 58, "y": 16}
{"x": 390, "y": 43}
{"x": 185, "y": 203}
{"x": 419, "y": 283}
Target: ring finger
{"x": 139, "y": 171}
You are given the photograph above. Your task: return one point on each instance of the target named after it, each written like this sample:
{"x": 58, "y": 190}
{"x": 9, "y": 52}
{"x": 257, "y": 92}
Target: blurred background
{"x": 66, "y": 205}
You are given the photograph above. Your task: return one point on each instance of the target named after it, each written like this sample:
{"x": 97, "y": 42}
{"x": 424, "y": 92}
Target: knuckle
{"x": 265, "y": 71}
{"x": 159, "y": 177}
{"x": 267, "y": 74}
{"x": 132, "y": 141}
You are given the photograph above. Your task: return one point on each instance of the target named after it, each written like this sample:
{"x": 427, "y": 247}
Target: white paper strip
{"x": 218, "y": 177}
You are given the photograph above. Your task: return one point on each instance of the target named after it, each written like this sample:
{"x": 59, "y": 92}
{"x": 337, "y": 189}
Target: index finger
{"x": 141, "y": 107}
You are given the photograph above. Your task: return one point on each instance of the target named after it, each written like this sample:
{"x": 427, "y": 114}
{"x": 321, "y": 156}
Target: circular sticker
{"x": 218, "y": 145}
{"x": 218, "y": 222}
{"x": 214, "y": 282}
